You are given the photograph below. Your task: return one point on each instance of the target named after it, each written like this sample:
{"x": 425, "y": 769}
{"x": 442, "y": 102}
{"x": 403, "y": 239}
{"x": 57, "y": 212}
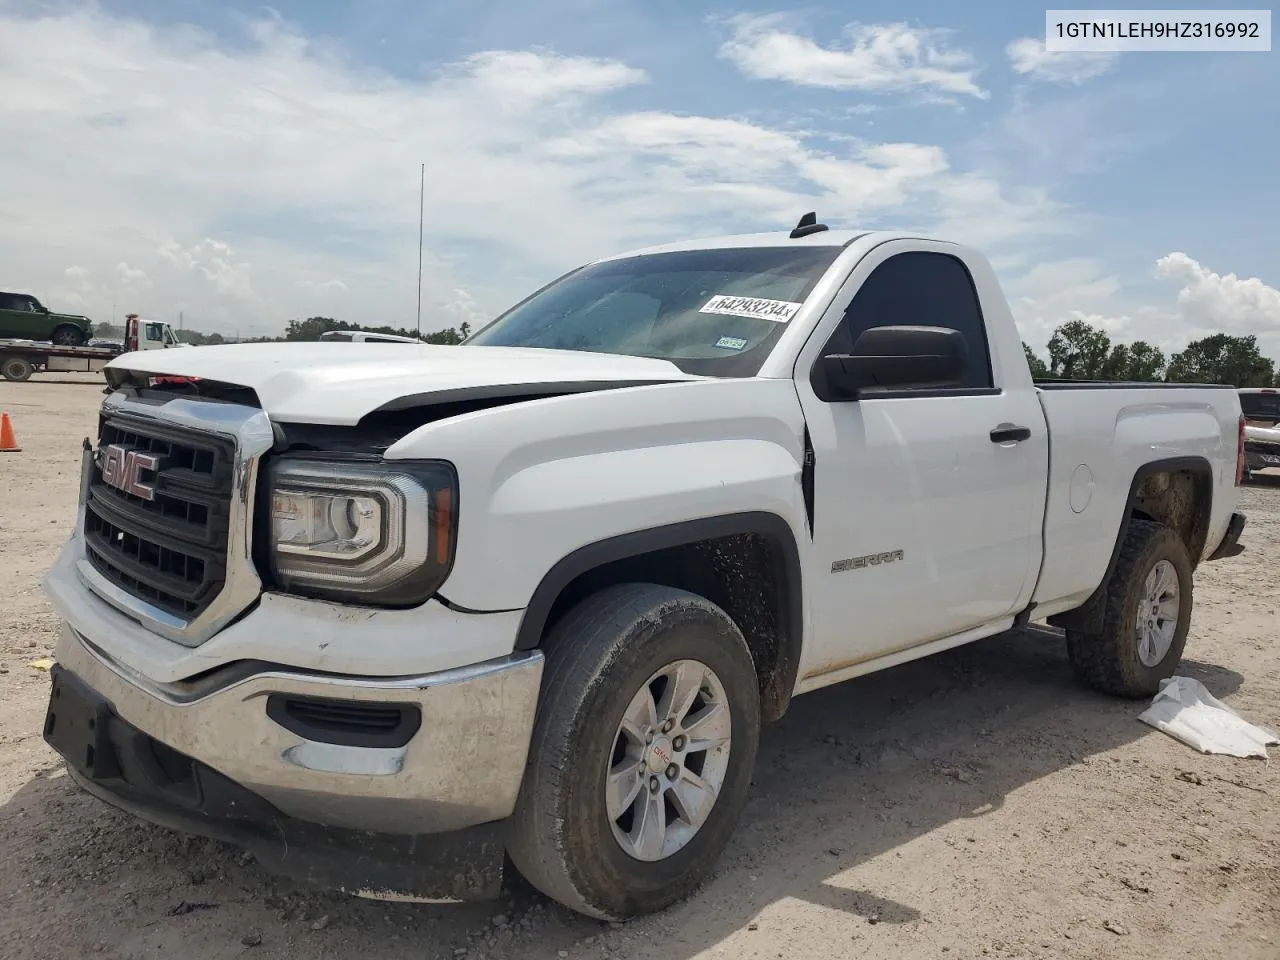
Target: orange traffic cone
{"x": 8, "y": 442}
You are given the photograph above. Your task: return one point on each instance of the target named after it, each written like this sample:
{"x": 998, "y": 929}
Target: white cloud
{"x": 1028, "y": 57}
{"x": 255, "y": 180}
{"x": 332, "y": 284}
{"x": 216, "y": 262}
{"x": 1214, "y": 302}
{"x": 131, "y": 276}
{"x": 877, "y": 58}
{"x": 1054, "y": 293}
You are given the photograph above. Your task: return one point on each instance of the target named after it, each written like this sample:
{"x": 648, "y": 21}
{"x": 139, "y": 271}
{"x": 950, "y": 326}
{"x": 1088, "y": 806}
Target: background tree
{"x": 1039, "y": 369}
{"x": 1138, "y": 361}
{"x": 449, "y": 335}
{"x": 1223, "y": 359}
{"x": 1078, "y": 351}
{"x": 312, "y": 327}
{"x": 198, "y": 339}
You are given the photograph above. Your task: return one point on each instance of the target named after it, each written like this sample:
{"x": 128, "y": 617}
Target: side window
{"x": 8, "y": 301}
{"x": 155, "y": 331}
{"x": 922, "y": 289}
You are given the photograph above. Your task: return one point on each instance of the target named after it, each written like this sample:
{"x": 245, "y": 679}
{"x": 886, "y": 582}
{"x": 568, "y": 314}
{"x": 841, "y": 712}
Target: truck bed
{"x": 1105, "y": 434}
{"x": 1054, "y": 384}
{"x": 43, "y": 348}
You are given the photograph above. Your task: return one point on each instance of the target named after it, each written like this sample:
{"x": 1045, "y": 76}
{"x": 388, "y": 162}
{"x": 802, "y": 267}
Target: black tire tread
{"x": 79, "y": 339}
{"x": 22, "y": 366}
{"x": 578, "y": 650}
{"x": 1102, "y": 660}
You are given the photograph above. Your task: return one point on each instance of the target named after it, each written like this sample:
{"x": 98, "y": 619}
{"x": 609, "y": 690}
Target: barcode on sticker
{"x": 779, "y": 311}
{"x": 731, "y": 343}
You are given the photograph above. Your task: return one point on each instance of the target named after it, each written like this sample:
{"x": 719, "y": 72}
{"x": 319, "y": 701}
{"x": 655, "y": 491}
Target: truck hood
{"x": 339, "y": 383}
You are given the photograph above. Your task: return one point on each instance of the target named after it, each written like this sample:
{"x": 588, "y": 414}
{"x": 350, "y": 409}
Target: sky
{"x": 243, "y": 165}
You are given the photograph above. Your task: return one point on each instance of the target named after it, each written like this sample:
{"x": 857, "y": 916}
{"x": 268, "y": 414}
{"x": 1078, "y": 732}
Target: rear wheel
{"x": 68, "y": 335}
{"x": 1146, "y": 619}
{"x": 642, "y": 754}
{"x": 16, "y": 368}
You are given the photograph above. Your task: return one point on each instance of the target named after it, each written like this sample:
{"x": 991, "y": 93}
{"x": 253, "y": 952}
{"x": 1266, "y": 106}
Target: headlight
{"x": 380, "y": 534}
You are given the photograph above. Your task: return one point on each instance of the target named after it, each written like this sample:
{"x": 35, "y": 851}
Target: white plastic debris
{"x": 1186, "y": 711}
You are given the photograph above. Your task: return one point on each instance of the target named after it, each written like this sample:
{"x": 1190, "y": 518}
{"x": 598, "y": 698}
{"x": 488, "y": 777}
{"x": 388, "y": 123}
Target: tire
{"x": 16, "y": 368}
{"x": 600, "y": 656}
{"x": 1116, "y": 661}
{"x": 68, "y": 335}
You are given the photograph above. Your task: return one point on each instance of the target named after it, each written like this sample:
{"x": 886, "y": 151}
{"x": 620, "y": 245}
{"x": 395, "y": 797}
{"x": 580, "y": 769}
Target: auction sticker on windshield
{"x": 779, "y": 311}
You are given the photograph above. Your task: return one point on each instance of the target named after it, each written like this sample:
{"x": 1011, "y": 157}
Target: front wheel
{"x": 1146, "y": 619}
{"x": 16, "y": 368}
{"x": 642, "y": 754}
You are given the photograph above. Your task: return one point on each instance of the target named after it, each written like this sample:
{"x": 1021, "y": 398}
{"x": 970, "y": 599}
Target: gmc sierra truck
{"x": 397, "y": 618}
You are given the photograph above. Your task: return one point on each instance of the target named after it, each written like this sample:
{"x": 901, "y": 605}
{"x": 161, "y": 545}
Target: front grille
{"x": 169, "y": 549}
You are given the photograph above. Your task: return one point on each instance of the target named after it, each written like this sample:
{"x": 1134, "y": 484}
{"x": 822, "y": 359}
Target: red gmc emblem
{"x": 122, "y": 468}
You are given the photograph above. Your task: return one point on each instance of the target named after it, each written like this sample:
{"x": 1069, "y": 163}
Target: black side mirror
{"x": 919, "y": 357}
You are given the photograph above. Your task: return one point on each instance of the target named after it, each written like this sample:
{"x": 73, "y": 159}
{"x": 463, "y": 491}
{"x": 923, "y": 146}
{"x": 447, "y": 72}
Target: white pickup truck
{"x": 398, "y": 617}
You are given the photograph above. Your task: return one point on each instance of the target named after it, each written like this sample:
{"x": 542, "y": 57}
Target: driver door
{"x": 924, "y": 525}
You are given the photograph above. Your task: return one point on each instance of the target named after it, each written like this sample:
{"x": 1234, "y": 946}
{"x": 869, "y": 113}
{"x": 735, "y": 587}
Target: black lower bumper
{"x": 125, "y": 767}
{"x": 1230, "y": 545}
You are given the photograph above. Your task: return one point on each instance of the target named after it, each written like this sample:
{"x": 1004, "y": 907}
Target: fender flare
{"x": 770, "y": 526}
{"x": 1088, "y": 616}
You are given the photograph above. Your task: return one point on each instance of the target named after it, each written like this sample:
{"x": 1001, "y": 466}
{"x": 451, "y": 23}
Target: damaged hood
{"x": 339, "y": 383}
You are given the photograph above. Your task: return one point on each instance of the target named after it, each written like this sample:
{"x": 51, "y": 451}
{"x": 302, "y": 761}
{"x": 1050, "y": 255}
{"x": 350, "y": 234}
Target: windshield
{"x": 710, "y": 312}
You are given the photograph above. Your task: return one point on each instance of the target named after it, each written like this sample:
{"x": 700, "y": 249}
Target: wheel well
{"x": 753, "y": 577}
{"x": 1177, "y": 493}
{"x": 1179, "y": 499}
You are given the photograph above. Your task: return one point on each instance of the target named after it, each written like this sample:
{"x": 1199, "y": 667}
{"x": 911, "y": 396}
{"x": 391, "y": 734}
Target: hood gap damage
{"x": 377, "y": 430}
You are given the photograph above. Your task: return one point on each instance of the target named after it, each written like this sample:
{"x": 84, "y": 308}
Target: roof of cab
{"x": 776, "y": 238}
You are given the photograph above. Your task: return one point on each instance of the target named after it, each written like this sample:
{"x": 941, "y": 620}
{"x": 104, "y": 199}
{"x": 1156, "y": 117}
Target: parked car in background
{"x": 360, "y": 336}
{"x": 1261, "y": 409}
{"x": 22, "y": 315}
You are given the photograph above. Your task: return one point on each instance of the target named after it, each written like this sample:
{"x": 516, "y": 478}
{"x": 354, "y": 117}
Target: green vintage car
{"x": 23, "y": 316}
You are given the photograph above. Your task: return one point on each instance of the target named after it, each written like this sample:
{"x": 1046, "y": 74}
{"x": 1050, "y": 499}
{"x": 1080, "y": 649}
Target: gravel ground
{"x": 975, "y": 804}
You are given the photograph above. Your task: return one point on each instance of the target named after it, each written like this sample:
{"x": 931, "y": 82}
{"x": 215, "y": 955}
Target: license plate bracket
{"x": 77, "y": 724}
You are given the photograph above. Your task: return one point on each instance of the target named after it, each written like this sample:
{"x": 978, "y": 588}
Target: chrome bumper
{"x": 462, "y": 767}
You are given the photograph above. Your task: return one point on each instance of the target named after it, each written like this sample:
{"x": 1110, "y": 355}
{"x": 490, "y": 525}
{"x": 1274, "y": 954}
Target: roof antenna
{"x": 808, "y": 224}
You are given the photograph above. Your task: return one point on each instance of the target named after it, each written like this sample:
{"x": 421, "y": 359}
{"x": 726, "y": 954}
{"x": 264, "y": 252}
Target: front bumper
{"x": 461, "y": 766}
{"x": 121, "y": 765}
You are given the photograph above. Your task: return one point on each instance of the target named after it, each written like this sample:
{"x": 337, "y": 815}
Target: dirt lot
{"x": 977, "y": 804}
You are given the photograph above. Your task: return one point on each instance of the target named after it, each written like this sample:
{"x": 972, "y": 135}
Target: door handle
{"x": 1010, "y": 433}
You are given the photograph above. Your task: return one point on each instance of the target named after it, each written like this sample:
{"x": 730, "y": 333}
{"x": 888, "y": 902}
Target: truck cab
{"x": 142, "y": 334}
